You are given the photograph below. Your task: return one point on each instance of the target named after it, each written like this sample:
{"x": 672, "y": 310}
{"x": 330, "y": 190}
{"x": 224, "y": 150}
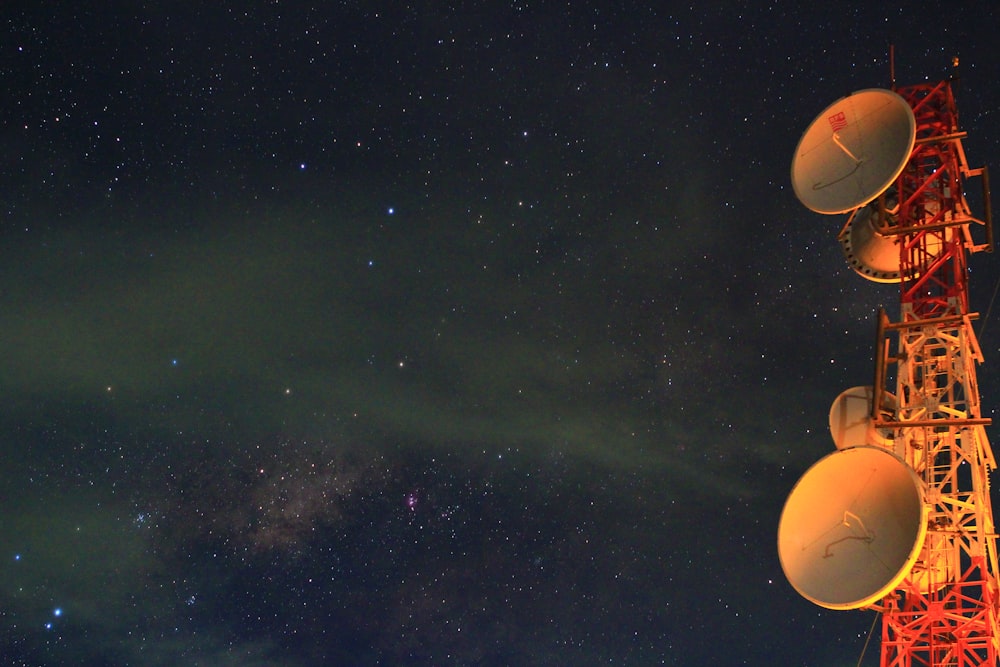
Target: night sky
{"x": 470, "y": 333}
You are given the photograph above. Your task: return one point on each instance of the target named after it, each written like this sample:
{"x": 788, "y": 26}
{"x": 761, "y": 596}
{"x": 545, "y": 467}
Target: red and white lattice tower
{"x": 899, "y": 519}
{"x": 945, "y": 610}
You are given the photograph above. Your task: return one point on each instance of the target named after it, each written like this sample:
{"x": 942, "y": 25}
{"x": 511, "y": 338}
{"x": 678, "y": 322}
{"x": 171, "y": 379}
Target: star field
{"x": 460, "y": 334}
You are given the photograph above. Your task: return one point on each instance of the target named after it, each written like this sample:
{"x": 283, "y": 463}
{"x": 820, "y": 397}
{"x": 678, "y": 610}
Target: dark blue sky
{"x": 469, "y": 333}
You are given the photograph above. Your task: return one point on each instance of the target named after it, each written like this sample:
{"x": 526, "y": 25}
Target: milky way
{"x": 482, "y": 335}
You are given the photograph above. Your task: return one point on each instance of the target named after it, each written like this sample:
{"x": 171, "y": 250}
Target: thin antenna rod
{"x": 871, "y": 631}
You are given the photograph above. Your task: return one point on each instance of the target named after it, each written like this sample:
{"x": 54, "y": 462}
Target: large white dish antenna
{"x": 853, "y": 151}
{"x": 852, "y": 528}
{"x": 851, "y": 421}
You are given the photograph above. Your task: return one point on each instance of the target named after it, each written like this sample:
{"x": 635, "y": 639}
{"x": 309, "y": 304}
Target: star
{"x": 514, "y": 424}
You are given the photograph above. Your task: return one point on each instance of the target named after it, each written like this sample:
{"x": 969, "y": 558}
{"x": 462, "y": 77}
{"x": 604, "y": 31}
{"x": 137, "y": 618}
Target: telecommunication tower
{"x": 898, "y": 518}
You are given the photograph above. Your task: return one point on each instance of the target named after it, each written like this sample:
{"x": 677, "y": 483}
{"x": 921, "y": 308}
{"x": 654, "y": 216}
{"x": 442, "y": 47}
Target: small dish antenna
{"x": 853, "y": 151}
{"x": 852, "y": 528}
{"x": 851, "y": 419}
{"x": 876, "y": 255}
{"x": 873, "y": 255}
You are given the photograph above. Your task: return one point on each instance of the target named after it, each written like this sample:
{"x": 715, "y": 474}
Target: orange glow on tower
{"x": 849, "y": 537}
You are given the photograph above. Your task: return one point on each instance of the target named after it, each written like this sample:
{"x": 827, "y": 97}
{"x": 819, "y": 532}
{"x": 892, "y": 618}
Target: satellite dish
{"x": 851, "y": 419}
{"x": 852, "y": 528}
{"x": 853, "y": 151}
{"x": 876, "y": 256}
{"x": 873, "y": 255}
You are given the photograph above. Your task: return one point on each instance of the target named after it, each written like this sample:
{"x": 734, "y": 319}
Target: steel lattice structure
{"x": 945, "y": 611}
